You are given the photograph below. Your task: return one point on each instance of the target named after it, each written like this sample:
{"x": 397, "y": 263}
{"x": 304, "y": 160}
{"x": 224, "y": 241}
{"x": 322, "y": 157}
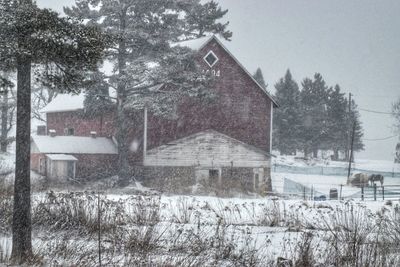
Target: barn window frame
{"x": 69, "y": 131}
{"x": 211, "y": 53}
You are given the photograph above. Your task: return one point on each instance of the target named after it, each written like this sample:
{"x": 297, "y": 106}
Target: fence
{"x": 326, "y": 170}
{"x": 380, "y": 192}
{"x": 325, "y": 191}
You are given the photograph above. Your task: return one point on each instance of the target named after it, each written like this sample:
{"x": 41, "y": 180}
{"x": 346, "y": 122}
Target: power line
{"x": 382, "y": 139}
{"x": 378, "y": 112}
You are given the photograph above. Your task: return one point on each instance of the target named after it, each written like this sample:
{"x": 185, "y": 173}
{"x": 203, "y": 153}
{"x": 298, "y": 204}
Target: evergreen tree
{"x": 337, "y": 119}
{"x": 287, "y": 120}
{"x": 143, "y": 57}
{"x": 97, "y": 99}
{"x": 314, "y": 112}
{"x": 354, "y": 119}
{"x": 397, "y": 154}
{"x": 203, "y": 18}
{"x": 259, "y": 77}
{"x": 66, "y": 50}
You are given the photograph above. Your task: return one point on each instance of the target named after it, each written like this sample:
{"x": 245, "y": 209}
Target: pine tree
{"x": 259, "y": 77}
{"x": 336, "y": 123}
{"x": 354, "y": 118}
{"x": 144, "y": 59}
{"x": 97, "y": 99}
{"x": 66, "y": 50}
{"x": 314, "y": 112}
{"x": 203, "y": 18}
{"x": 287, "y": 120}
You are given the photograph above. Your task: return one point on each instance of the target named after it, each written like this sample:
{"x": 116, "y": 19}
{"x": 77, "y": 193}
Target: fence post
{"x": 99, "y": 225}
{"x": 374, "y": 192}
{"x": 362, "y": 193}
{"x": 340, "y": 195}
{"x": 304, "y": 192}
{"x": 383, "y": 192}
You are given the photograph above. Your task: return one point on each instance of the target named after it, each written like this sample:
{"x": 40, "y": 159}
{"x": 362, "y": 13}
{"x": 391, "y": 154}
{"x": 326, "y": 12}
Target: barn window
{"x": 211, "y": 58}
{"x": 69, "y": 131}
{"x": 214, "y": 178}
{"x": 213, "y": 174}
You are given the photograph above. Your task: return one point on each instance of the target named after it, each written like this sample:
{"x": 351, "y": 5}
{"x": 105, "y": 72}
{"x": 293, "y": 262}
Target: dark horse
{"x": 375, "y": 177}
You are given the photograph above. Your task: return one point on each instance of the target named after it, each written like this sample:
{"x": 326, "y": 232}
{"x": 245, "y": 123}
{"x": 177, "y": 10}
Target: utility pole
{"x": 349, "y": 131}
{"x": 350, "y": 102}
{"x": 351, "y": 152}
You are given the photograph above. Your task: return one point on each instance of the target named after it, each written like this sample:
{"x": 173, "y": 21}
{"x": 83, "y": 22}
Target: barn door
{"x": 42, "y": 166}
{"x": 258, "y": 175}
{"x": 71, "y": 169}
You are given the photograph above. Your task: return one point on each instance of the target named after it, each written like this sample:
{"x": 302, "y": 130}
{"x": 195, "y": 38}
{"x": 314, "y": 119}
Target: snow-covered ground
{"x": 209, "y": 231}
{"x": 290, "y": 174}
{"x": 359, "y": 164}
{"x": 157, "y": 230}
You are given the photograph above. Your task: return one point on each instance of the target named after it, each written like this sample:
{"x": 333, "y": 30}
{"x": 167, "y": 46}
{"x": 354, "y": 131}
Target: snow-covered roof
{"x": 65, "y": 102}
{"x": 195, "y": 44}
{"x": 69, "y": 102}
{"x": 74, "y": 145}
{"x": 61, "y": 157}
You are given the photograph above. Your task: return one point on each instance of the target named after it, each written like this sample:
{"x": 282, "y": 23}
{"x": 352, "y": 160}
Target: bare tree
{"x": 7, "y": 112}
{"x": 41, "y": 96}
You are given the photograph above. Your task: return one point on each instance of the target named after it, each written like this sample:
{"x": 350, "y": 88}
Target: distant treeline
{"x": 315, "y": 117}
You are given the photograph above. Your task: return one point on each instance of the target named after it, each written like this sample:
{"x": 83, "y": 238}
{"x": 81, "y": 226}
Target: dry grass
{"x": 134, "y": 232}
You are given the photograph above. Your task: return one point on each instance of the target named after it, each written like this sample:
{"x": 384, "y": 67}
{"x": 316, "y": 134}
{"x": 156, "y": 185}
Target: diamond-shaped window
{"x": 211, "y": 58}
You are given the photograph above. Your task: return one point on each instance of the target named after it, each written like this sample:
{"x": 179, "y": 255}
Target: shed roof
{"x": 65, "y": 102}
{"x": 61, "y": 157}
{"x": 74, "y": 145}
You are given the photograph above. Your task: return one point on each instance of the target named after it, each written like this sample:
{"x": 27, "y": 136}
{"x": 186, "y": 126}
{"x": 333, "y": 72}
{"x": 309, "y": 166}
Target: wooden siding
{"x": 207, "y": 149}
{"x": 82, "y": 125}
{"x": 240, "y": 109}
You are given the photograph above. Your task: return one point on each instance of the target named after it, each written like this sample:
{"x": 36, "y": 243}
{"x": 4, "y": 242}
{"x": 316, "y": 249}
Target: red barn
{"x": 224, "y": 144}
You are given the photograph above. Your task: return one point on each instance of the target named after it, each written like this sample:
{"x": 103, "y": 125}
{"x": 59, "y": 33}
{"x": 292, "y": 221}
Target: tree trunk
{"x": 4, "y": 122}
{"x": 346, "y": 155}
{"x": 336, "y": 154}
{"x": 122, "y": 126}
{"x": 315, "y": 153}
{"x": 21, "y": 226}
{"x": 305, "y": 151}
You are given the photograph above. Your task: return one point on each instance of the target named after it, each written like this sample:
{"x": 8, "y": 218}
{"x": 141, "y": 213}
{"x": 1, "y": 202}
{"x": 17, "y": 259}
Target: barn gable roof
{"x": 73, "y": 145}
{"x": 207, "y": 147}
{"x": 200, "y": 43}
{"x": 224, "y": 136}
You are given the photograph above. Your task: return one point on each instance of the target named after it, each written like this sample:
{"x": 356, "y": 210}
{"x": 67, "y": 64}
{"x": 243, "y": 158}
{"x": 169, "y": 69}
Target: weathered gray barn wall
{"x": 211, "y": 159}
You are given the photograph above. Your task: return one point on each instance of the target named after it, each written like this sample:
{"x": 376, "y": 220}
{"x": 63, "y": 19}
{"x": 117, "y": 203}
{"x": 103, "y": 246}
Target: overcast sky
{"x": 353, "y": 43}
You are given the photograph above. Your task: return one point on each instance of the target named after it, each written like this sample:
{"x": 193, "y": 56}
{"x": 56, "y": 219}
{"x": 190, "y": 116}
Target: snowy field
{"x": 205, "y": 231}
{"x": 142, "y": 228}
{"x": 291, "y": 164}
